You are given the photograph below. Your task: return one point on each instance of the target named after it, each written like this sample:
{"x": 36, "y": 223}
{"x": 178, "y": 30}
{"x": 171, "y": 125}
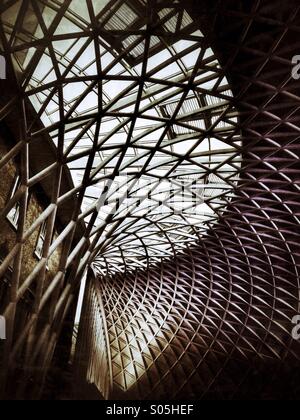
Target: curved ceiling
{"x": 220, "y": 313}
{"x": 216, "y": 321}
{"x": 139, "y": 108}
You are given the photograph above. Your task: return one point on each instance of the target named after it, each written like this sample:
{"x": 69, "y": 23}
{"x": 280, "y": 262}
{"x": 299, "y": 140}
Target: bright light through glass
{"x": 154, "y": 116}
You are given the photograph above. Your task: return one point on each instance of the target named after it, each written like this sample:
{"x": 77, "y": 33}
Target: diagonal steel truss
{"x": 216, "y": 320}
{"x": 128, "y": 96}
{"x": 132, "y": 96}
{"x": 133, "y": 88}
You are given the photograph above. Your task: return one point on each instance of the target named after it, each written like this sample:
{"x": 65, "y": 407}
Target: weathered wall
{"x": 8, "y": 236}
{"x": 7, "y": 231}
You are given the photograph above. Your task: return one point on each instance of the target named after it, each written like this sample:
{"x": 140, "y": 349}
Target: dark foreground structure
{"x": 149, "y": 153}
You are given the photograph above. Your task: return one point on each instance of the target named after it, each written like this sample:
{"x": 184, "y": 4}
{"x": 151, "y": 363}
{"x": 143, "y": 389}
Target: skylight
{"x": 145, "y": 118}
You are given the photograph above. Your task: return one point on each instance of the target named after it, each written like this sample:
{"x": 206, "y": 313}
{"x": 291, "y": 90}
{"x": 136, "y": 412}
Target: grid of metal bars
{"x": 216, "y": 320}
{"x": 119, "y": 121}
{"x": 235, "y": 291}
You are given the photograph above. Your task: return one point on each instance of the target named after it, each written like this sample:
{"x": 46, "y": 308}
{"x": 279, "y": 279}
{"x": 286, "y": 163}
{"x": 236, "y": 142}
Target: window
{"x": 14, "y": 214}
{"x": 41, "y": 241}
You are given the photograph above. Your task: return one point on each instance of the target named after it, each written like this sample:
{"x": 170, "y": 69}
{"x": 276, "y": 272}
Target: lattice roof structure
{"x": 137, "y": 99}
{"x": 148, "y": 128}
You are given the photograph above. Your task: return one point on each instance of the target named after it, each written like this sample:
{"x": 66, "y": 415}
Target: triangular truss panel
{"x": 139, "y": 110}
{"x": 217, "y": 321}
{"x": 163, "y": 137}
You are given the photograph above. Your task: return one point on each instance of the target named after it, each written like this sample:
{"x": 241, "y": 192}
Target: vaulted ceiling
{"x": 136, "y": 96}
{"x": 140, "y": 110}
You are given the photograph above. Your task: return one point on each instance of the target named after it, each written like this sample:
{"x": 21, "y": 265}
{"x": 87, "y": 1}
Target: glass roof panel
{"x": 147, "y": 118}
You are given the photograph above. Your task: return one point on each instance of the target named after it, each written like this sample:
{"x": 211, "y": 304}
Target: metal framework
{"x": 135, "y": 96}
{"x": 139, "y": 110}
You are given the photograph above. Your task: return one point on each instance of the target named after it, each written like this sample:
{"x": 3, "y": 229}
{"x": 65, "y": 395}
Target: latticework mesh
{"x": 216, "y": 320}
{"x": 196, "y": 303}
